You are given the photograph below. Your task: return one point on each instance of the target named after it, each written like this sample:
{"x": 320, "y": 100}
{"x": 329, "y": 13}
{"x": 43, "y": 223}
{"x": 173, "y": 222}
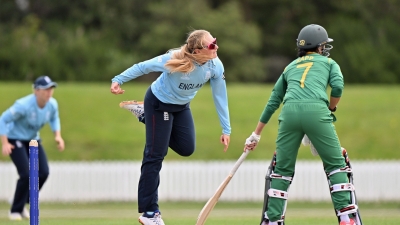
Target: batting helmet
{"x": 312, "y": 36}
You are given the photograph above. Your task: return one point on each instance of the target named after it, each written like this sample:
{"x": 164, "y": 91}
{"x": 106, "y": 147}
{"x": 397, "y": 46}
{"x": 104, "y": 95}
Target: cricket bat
{"x": 201, "y": 219}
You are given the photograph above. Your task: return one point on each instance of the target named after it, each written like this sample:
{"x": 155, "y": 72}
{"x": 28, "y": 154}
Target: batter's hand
{"x": 251, "y": 142}
{"x": 7, "y": 149}
{"x": 116, "y": 89}
{"x": 225, "y": 139}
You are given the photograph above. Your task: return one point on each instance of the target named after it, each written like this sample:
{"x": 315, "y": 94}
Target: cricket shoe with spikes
{"x": 154, "y": 219}
{"x": 135, "y": 107}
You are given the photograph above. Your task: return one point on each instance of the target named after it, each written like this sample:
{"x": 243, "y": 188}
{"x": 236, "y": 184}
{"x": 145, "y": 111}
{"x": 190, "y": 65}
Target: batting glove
{"x": 254, "y": 138}
{"x": 306, "y": 142}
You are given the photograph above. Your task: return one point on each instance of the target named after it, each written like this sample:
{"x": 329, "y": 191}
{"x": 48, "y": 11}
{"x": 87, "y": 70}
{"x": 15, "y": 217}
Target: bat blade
{"x": 212, "y": 202}
{"x": 208, "y": 207}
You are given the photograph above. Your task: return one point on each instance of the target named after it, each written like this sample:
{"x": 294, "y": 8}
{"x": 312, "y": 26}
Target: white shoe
{"x": 14, "y": 216}
{"x": 25, "y": 213}
{"x": 135, "y": 107}
{"x": 156, "y": 220}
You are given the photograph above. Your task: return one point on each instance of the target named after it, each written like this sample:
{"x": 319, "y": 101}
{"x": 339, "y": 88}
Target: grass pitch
{"x": 95, "y": 128}
{"x": 184, "y": 213}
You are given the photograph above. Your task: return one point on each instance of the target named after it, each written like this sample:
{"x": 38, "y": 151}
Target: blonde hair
{"x": 184, "y": 59}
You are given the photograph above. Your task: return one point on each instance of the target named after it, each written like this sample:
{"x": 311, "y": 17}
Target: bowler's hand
{"x": 60, "y": 143}
{"x": 225, "y": 139}
{"x": 116, "y": 89}
{"x": 7, "y": 149}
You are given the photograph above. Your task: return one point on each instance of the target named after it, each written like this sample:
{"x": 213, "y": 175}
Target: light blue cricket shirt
{"x": 180, "y": 88}
{"x": 24, "y": 119}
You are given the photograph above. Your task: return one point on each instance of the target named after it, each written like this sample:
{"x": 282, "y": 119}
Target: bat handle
{"x": 240, "y": 160}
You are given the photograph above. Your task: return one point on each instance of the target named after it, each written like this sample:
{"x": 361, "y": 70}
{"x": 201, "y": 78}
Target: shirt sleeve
{"x": 13, "y": 113}
{"x": 55, "y": 119}
{"x": 336, "y": 80}
{"x": 276, "y": 98}
{"x": 220, "y": 96}
{"x": 152, "y": 65}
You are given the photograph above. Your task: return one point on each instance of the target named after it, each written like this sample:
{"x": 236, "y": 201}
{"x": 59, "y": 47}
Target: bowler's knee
{"x": 185, "y": 151}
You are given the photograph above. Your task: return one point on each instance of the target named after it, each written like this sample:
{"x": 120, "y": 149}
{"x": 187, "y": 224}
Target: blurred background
{"x": 70, "y": 39}
{"x": 83, "y": 44}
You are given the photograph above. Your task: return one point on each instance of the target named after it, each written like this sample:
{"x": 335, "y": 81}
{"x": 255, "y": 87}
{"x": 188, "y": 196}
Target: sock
{"x": 345, "y": 218}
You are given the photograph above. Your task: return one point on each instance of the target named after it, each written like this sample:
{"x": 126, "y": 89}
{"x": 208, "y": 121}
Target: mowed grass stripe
{"x": 95, "y": 128}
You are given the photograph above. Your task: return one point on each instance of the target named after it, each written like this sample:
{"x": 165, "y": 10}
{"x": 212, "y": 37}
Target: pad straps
{"x": 277, "y": 176}
{"x": 341, "y": 170}
{"x": 347, "y": 210}
{"x": 342, "y": 187}
{"x": 275, "y": 193}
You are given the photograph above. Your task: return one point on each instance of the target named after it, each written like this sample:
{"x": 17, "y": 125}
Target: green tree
{"x": 239, "y": 41}
{"x": 93, "y": 40}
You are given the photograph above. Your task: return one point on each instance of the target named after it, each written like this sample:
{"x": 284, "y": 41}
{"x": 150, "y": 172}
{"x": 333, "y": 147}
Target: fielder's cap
{"x": 44, "y": 82}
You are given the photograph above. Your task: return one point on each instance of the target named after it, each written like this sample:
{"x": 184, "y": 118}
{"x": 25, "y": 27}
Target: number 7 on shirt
{"x": 303, "y": 77}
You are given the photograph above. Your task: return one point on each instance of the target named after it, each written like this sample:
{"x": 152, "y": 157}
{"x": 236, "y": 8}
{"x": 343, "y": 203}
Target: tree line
{"x": 91, "y": 40}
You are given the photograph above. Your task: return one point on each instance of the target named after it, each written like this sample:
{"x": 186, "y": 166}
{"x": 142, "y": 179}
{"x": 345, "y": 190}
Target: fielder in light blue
{"x": 20, "y": 124}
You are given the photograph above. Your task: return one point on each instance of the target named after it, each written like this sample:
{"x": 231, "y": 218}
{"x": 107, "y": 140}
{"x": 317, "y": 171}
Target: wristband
{"x": 333, "y": 110}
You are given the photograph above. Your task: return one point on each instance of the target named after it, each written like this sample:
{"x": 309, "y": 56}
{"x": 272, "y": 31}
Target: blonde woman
{"x": 166, "y": 109}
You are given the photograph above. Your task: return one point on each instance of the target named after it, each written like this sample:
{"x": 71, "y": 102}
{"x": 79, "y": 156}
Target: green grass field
{"x": 186, "y": 213}
{"x": 95, "y": 128}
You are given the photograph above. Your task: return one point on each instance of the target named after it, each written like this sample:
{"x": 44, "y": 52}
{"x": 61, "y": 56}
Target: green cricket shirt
{"x": 306, "y": 77}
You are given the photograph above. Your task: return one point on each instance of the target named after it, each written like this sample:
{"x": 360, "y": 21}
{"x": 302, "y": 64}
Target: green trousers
{"x": 314, "y": 119}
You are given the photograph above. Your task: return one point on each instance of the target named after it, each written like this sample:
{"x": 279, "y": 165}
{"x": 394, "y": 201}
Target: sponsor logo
{"x": 47, "y": 79}
{"x": 185, "y": 76}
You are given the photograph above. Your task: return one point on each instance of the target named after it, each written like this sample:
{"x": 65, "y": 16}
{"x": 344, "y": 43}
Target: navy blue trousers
{"x": 167, "y": 125}
{"x": 20, "y": 157}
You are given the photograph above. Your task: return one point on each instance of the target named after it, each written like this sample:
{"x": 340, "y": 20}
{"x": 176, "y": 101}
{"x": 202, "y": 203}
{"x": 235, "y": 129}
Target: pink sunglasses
{"x": 212, "y": 45}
